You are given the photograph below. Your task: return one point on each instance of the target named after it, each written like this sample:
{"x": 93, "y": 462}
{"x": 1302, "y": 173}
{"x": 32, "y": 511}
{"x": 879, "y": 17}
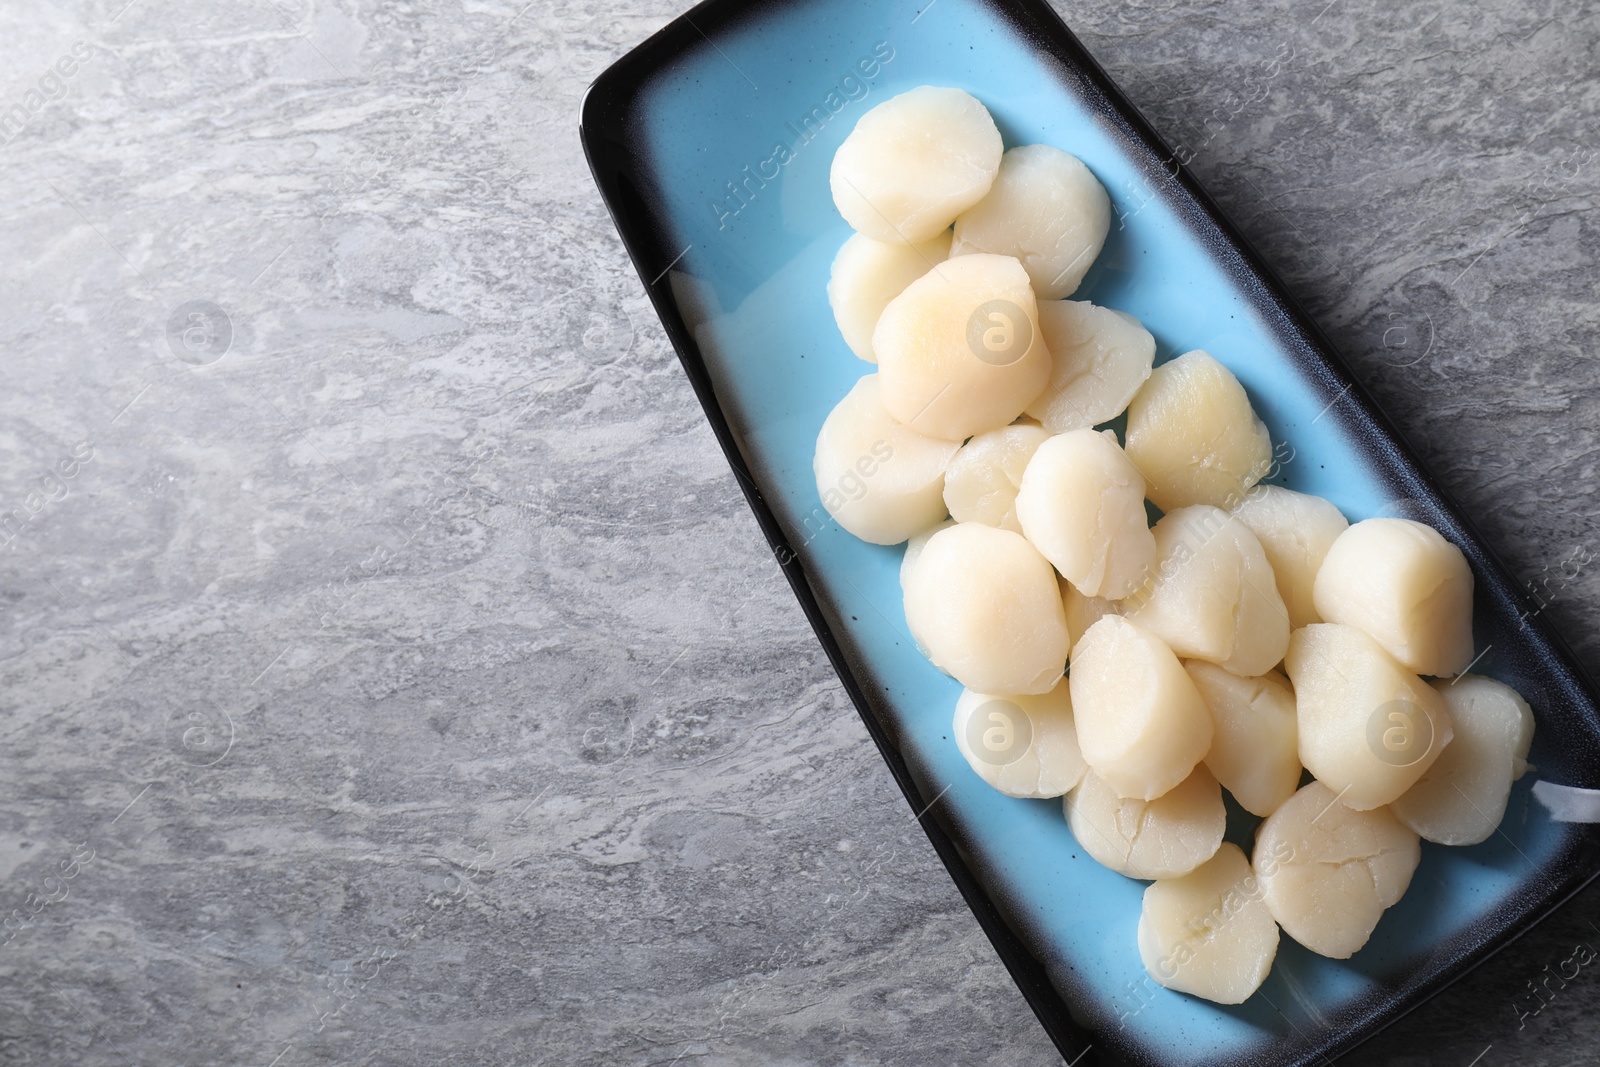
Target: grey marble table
{"x": 390, "y": 670}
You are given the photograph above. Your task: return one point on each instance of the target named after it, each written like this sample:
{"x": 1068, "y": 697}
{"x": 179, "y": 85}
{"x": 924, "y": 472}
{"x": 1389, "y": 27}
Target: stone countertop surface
{"x": 392, "y": 670}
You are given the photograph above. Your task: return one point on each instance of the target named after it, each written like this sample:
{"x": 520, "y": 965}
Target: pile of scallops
{"x": 1251, "y": 640}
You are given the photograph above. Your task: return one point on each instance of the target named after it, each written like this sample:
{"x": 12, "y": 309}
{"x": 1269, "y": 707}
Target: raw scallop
{"x": 882, "y": 481}
{"x": 867, "y": 274}
{"x": 1193, "y": 433}
{"x": 1369, "y": 728}
{"x": 1099, "y": 358}
{"x": 981, "y": 482}
{"x": 1046, "y": 209}
{"x": 1461, "y": 799}
{"x": 1212, "y": 594}
{"x": 1141, "y": 723}
{"x": 1161, "y": 838}
{"x": 1406, "y": 586}
{"x": 915, "y": 162}
{"x": 1328, "y": 871}
{"x": 1024, "y": 746}
{"x": 1295, "y": 530}
{"x": 959, "y": 350}
{"x": 1209, "y": 933}
{"x": 1255, "y": 749}
{"x": 1082, "y": 504}
{"x": 985, "y": 606}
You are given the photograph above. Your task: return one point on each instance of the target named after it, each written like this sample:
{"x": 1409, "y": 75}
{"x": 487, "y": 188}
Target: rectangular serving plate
{"x": 711, "y": 144}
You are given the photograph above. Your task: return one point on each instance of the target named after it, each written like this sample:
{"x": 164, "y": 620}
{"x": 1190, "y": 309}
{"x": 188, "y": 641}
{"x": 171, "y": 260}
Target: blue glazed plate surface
{"x": 711, "y": 143}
